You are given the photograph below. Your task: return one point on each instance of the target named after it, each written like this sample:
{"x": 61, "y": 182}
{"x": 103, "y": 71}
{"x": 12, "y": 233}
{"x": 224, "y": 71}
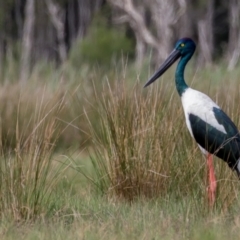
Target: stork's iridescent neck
{"x": 179, "y": 74}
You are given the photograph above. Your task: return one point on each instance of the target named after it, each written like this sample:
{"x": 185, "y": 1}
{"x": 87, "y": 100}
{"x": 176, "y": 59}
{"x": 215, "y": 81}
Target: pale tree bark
{"x": 205, "y": 35}
{"x": 137, "y": 23}
{"x": 1, "y": 55}
{"x": 166, "y": 16}
{"x": 234, "y": 34}
{"x": 27, "y": 40}
{"x": 140, "y": 51}
{"x": 84, "y": 16}
{"x": 140, "y": 46}
{"x": 19, "y": 21}
{"x": 163, "y": 14}
{"x": 184, "y": 28}
{"x": 58, "y": 18}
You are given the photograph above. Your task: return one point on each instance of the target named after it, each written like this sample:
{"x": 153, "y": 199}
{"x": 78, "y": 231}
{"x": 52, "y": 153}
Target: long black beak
{"x": 174, "y": 55}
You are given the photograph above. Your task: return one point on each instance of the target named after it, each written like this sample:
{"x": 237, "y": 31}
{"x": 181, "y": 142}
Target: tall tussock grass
{"x": 137, "y": 138}
{"x": 135, "y": 141}
{"x": 143, "y": 149}
{"x": 28, "y": 173}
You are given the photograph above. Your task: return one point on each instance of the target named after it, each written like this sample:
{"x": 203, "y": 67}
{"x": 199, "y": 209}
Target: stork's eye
{"x": 182, "y": 45}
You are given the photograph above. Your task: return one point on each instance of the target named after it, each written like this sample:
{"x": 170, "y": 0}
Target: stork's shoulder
{"x": 195, "y": 99}
{"x": 199, "y": 107}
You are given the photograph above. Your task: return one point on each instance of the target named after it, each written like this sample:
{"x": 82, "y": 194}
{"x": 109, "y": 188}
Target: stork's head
{"x": 184, "y": 47}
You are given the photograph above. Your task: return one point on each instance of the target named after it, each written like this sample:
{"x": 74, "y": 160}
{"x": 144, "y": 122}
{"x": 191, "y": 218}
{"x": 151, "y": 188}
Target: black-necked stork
{"x": 213, "y": 130}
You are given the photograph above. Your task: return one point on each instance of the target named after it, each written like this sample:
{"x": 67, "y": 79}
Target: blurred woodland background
{"x": 97, "y": 31}
{"x": 78, "y": 132}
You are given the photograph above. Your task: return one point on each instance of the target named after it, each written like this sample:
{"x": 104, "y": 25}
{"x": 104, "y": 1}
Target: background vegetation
{"x": 85, "y": 151}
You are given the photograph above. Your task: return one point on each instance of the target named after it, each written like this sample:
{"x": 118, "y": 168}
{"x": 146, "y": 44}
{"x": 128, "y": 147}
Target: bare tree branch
{"x": 136, "y": 21}
{"x": 205, "y": 34}
{"x": 234, "y": 34}
{"x": 184, "y": 27}
{"x": 164, "y": 15}
{"x": 27, "y": 40}
{"x": 57, "y": 17}
{"x": 205, "y": 56}
{"x": 1, "y": 55}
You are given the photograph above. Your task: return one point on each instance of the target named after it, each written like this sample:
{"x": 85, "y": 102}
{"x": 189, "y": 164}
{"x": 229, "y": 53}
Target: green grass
{"x": 88, "y": 156}
{"x": 101, "y": 218}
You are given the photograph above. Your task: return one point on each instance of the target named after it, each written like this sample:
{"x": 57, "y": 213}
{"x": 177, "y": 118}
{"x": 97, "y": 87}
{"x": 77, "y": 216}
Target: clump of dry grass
{"x": 28, "y": 173}
{"x": 143, "y": 149}
{"x": 135, "y": 141}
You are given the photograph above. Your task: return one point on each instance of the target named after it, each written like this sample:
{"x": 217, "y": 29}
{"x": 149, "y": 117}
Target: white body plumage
{"x": 199, "y": 104}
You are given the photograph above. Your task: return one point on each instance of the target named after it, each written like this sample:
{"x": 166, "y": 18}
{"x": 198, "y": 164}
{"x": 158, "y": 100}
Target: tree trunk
{"x": 18, "y": 18}
{"x": 58, "y": 18}
{"x": 137, "y": 23}
{"x": 84, "y": 17}
{"x": 163, "y": 13}
{"x": 205, "y": 35}
{"x": 163, "y": 17}
{"x": 140, "y": 51}
{"x": 184, "y": 28}
{"x": 1, "y": 56}
{"x": 72, "y": 30}
{"x": 234, "y": 34}
{"x": 27, "y": 40}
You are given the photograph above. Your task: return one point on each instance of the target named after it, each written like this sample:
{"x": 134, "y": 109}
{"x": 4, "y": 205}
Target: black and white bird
{"x": 213, "y": 130}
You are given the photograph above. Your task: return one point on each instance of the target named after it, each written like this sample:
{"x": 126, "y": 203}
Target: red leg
{"x": 212, "y": 181}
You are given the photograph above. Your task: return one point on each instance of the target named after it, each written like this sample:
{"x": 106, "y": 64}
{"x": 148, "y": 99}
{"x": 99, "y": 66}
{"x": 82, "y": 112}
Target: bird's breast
{"x": 201, "y": 106}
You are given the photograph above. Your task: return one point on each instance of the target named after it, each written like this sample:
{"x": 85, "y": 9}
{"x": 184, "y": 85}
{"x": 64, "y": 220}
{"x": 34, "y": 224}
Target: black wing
{"x": 224, "y": 145}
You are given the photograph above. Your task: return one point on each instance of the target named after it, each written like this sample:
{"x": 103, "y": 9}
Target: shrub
{"x": 103, "y": 45}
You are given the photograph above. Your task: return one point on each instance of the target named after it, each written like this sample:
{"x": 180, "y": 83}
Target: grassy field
{"x": 90, "y": 155}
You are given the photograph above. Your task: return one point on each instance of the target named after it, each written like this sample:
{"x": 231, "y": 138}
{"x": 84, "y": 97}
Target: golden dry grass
{"x": 143, "y": 149}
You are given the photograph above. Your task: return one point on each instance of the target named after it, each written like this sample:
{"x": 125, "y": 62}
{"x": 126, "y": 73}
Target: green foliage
{"x": 103, "y": 45}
